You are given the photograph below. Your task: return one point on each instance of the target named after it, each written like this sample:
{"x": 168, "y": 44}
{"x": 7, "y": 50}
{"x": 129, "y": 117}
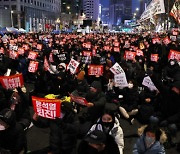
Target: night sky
{"x": 135, "y": 4}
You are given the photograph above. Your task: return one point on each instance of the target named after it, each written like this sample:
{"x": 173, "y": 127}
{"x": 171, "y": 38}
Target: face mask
{"x": 107, "y": 124}
{"x": 149, "y": 141}
{"x": 2, "y": 127}
{"x": 130, "y": 85}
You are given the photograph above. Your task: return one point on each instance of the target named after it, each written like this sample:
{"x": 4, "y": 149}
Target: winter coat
{"x": 156, "y": 148}
{"x": 63, "y": 132}
{"x": 116, "y": 132}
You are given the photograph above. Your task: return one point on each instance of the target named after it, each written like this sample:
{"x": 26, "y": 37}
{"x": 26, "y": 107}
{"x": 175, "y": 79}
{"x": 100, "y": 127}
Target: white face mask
{"x": 2, "y": 127}
{"x": 172, "y": 63}
{"x": 130, "y": 85}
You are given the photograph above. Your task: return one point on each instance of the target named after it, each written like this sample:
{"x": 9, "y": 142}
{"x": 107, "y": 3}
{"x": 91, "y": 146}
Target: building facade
{"x": 33, "y": 15}
{"x": 91, "y": 9}
{"x": 120, "y": 10}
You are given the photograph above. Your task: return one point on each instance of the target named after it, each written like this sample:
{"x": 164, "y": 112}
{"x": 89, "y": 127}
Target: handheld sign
{"x": 116, "y": 69}
{"x": 33, "y": 66}
{"x": 148, "y": 83}
{"x": 72, "y": 66}
{"x": 120, "y": 80}
{"x": 11, "y": 82}
{"x": 173, "y": 54}
{"x": 79, "y": 100}
{"x": 47, "y": 108}
{"x": 96, "y": 70}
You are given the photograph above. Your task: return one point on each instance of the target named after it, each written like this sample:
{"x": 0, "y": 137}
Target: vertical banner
{"x": 72, "y": 66}
{"x": 96, "y": 70}
{"x": 11, "y": 82}
{"x": 47, "y": 108}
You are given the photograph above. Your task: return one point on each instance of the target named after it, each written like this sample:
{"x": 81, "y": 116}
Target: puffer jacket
{"x": 116, "y": 132}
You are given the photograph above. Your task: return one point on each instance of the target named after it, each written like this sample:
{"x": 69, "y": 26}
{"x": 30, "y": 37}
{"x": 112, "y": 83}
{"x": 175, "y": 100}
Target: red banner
{"x": 87, "y": 53}
{"x": 47, "y": 108}
{"x": 154, "y": 57}
{"x": 129, "y": 55}
{"x": 173, "y": 54}
{"x": 11, "y": 82}
{"x": 33, "y": 66}
{"x": 32, "y": 55}
{"x": 96, "y": 70}
{"x": 79, "y": 100}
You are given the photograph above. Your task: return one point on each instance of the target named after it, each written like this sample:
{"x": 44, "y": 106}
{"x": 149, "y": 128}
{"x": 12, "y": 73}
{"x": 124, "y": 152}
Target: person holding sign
{"x": 63, "y": 130}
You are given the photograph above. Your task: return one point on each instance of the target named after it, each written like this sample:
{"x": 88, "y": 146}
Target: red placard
{"x": 87, "y": 53}
{"x": 87, "y": 45}
{"x": 11, "y": 82}
{"x": 107, "y": 48}
{"x": 47, "y": 108}
{"x": 39, "y": 46}
{"x": 21, "y": 51}
{"x": 155, "y": 40}
{"x": 129, "y": 55}
{"x": 46, "y": 64}
{"x": 13, "y": 54}
{"x": 173, "y": 54}
{"x": 33, "y": 66}
{"x": 26, "y": 47}
{"x": 79, "y": 100}
{"x": 154, "y": 57}
{"x": 139, "y": 52}
{"x": 32, "y": 55}
{"x": 166, "y": 40}
{"x": 96, "y": 70}
{"x": 116, "y": 49}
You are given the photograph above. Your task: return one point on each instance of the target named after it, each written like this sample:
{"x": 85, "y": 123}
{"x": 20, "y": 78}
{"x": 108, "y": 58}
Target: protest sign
{"x": 11, "y": 82}
{"x": 87, "y": 53}
{"x": 129, "y": 55}
{"x": 39, "y": 46}
{"x": 33, "y": 66}
{"x": 120, "y": 80}
{"x": 20, "y": 51}
{"x": 13, "y": 54}
{"x": 116, "y": 69}
{"x": 148, "y": 83}
{"x": 116, "y": 49}
{"x": 139, "y": 52}
{"x": 79, "y": 100}
{"x": 46, "y": 64}
{"x": 72, "y": 66}
{"x": 154, "y": 57}
{"x": 173, "y": 54}
{"x": 32, "y": 55}
{"x": 96, "y": 70}
{"x": 47, "y": 108}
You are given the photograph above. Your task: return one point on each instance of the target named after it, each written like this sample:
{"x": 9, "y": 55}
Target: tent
{"x": 21, "y": 30}
{"x": 9, "y": 30}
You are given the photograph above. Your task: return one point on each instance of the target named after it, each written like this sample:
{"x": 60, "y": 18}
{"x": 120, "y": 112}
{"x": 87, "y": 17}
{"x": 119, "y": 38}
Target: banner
{"x": 33, "y": 66}
{"x": 79, "y": 100}
{"x": 96, "y": 70}
{"x": 154, "y": 57}
{"x": 120, "y": 80}
{"x": 72, "y": 66}
{"x": 11, "y": 82}
{"x": 116, "y": 69}
{"x": 148, "y": 83}
{"x": 173, "y": 54}
{"x": 47, "y": 108}
{"x": 129, "y": 55}
{"x": 32, "y": 55}
{"x": 175, "y": 11}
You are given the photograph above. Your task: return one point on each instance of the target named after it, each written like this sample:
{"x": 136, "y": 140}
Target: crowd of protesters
{"x": 98, "y": 124}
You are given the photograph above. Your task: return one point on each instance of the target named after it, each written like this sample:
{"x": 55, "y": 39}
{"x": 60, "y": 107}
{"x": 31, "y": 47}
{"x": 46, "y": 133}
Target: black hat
{"x": 8, "y": 116}
{"x": 96, "y": 85}
{"x": 66, "y": 107}
{"x": 96, "y": 137}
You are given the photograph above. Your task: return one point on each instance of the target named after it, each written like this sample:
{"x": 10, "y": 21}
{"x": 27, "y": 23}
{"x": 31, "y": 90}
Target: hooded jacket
{"x": 156, "y": 148}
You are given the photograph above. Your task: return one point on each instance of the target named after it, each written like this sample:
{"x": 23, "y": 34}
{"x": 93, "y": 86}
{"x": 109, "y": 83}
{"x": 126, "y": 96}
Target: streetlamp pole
{"x": 12, "y": 24}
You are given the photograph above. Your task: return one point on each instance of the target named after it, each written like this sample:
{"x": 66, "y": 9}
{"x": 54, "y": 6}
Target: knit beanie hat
{"x": 80, "y": 75}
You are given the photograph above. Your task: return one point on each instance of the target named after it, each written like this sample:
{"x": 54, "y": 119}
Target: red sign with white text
{"x": 154, "y": 57}
{"x": 32, "y": 55}
{"x": 47, "y": 108}
{"x": 11, "y": 82}
{"x": 87, "y": 53}
{"x": 96, "y": 70}
{"x": 33, "y": 66}
{"x": 173, "y": 54}
{"x": 129, "y": 55}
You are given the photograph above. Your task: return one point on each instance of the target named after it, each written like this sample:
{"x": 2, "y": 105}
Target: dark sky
{"x": 135, "y": 4}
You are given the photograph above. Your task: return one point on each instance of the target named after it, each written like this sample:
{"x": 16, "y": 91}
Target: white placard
{"x": 72, "y": 66}
{"x": 120, "y": 80}
{"x": 116, "y": 69}
{"x": 148, "y": 83}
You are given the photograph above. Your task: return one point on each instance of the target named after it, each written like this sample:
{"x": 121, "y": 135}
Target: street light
{"x": 12, "y": 18}
{"x": 137, "y": 9}
{"x": 68, "y": 7}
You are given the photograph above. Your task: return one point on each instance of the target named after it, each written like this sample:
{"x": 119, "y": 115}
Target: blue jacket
{"x": 140, "y": 147}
